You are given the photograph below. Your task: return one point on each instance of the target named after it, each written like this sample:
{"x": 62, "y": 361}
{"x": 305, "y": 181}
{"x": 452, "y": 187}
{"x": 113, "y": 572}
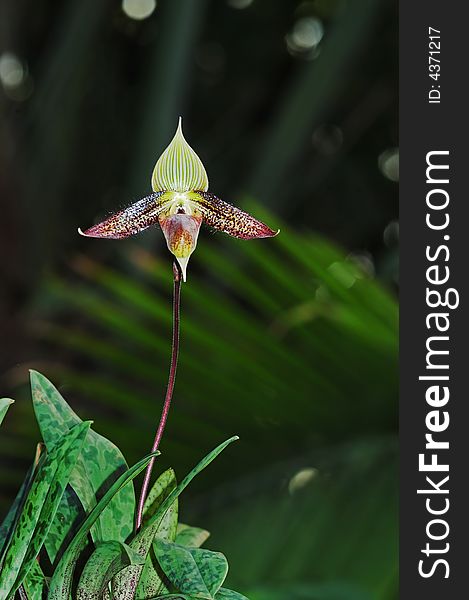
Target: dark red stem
{"x": 169, "y": 392}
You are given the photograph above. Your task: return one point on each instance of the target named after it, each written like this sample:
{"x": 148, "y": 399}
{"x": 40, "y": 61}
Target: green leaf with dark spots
{"x": 194, "y": 571}
{"x": 152, "y": 578}
{"x": 4, "y": 404}
{"x": 123, "y": 590}
{"x": 68, "y": 518}
{"x": 97, "y": 469}
{"x": 39, "y": 509}
{"x": 191, "y": 536}
{"x": 61, "y": 582}
{"x": 8, "y": 526}
{"x": 162, "y": 487}
{"x": 35, "y": 583}
{"x": 106, "y": 561}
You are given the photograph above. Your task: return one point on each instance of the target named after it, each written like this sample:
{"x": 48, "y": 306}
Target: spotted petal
{"x": 179, "y": 169}
{"x": 131, "y": 220}
{"x": 229, "y": 219}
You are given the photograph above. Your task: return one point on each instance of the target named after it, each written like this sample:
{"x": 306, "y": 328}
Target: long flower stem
{"x": 169, "y": 391}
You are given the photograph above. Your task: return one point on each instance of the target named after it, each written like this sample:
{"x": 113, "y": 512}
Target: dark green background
{"x": 290, "y": 343}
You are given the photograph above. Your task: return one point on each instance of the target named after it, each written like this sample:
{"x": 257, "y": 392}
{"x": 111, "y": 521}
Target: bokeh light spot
{"x": 307, "y": 32}
{"x": 388, "y": 162}
{"x": 138, "y": 9}
{"x": 364, "y": 263}
{"x": 301, "y": 479}
{"x": 305, "y": 36}
{"x": 12, "y": 72}
{"x": 344, "y": 272}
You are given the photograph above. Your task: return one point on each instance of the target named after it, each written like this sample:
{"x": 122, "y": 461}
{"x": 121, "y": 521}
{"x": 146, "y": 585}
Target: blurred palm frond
{"x": 296, "y": 351}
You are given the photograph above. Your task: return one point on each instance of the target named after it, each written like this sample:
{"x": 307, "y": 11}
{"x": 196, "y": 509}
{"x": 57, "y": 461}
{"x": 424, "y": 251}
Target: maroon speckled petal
{"x": 229, "y": 219}
{"x": 129, "y": 221}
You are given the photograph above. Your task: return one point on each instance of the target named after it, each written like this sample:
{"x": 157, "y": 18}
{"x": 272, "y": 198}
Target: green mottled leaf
{"x": 98, "y": 467}
{"x": 226, "y": 594}
{"x": 34, "y": 583}
{"x": 106, "y": 561}
{"x": 191, "y": 536}
{"x": 162, "y": 487}
{"x": 193, "y": 571}
{"x": 8, "y": 525}
{"x": 68, "y": 518}
{"x": 123, "y": 590}
{"x": 6, "y": 528}
{"x": 151, "y": 581}
{"x": 4, "y": 404}
{"x": 40, "y": 508}
{"x": 55, "y": 417}
{"x": 61, "y": 582}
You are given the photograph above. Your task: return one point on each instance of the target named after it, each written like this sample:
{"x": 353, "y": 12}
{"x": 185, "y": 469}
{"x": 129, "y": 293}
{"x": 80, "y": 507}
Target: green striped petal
{"x": 179, "y": 169}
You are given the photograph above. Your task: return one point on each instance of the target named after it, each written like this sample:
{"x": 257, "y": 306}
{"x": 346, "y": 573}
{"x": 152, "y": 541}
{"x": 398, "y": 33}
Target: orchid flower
{"x": 180, "y": 202}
